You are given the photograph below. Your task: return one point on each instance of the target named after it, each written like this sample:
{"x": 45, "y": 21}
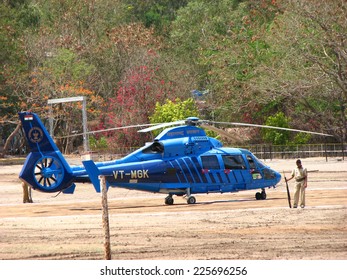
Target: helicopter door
{"x": 236, "y": 172}
{"x": 212, "y": 171}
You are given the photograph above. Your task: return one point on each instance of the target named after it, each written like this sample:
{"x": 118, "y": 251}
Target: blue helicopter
{"x": 181, "y": 161}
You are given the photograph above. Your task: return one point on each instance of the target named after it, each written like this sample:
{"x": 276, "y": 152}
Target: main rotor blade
{"x": 271, "y": 127}
{"x": 234, "y": 138}
{"x": 105, "y": 130}
{"x": 181, "y": 122}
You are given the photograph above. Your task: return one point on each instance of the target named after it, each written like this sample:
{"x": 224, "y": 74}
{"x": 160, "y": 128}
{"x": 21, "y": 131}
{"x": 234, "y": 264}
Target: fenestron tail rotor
{"x": 48, "y": 172}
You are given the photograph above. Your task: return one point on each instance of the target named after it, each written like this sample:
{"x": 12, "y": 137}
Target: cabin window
{"x": 154, "y": 148}
{"x": 233, "y": 162}
{"x": 210, "y": 162}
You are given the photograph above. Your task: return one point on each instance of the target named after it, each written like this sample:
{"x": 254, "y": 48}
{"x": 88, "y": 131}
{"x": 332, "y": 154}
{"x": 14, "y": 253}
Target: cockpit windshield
{"x": 259, "y": 169}
{"x": 259, "y": 162}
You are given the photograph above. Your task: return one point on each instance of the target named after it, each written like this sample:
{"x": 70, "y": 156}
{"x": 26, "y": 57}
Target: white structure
{"x": 84, "y": 116}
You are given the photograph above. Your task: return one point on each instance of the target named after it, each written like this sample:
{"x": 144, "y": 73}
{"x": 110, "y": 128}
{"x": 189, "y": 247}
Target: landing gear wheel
{"x": 260, "y": 195}
{"x": 169, "y": 200}
{"x": 191, "y": 200}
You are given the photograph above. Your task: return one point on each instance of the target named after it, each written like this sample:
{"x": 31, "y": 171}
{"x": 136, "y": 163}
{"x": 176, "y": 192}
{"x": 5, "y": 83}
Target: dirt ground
{"x": 218, "y": 226}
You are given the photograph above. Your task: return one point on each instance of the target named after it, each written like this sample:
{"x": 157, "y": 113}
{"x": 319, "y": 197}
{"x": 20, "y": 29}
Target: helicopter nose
{"x": 278, "y": 177}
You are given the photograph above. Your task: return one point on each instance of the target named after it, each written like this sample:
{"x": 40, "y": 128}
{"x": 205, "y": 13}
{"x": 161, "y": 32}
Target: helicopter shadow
{"x": 184, "y": 204}
{"x": 114, "y": 206}
{"x": 231, "y": 201}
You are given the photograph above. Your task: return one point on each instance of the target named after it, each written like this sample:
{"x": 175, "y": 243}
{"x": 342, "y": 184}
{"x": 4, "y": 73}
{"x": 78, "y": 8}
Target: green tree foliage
{"x": 273, "y": 136}
{"x": 12, "y": 63}
{"x": 99, "y": 143}
{"x": 154, "y": 13}
{"x": 282, "y": 137}
{"x": 172, "y": 111}
{"x": 225, "y": 41}
{"x": 175, "y": 110}
{"x": 65, "y": 66}
{"x": 11, "y": 57}
{"x": 244, "y": 52}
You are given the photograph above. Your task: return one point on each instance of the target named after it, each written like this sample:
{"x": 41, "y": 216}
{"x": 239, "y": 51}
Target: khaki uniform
{"x": 26, "y": 193}
{"x": 300, "y": 175}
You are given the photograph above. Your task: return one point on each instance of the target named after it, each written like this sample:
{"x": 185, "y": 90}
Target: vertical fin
{"x": 36, "y": 133}
{"x": 93, "y": 173}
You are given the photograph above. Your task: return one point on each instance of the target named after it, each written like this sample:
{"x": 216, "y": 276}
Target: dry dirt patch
{"x": 228, "y": 226}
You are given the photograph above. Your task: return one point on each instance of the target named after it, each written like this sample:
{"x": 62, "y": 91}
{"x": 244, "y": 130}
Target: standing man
{"x": 300, "y": 175}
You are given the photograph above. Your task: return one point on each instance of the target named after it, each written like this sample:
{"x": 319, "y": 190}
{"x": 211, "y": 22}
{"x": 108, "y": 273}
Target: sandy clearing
{"x": 219, "y": 226}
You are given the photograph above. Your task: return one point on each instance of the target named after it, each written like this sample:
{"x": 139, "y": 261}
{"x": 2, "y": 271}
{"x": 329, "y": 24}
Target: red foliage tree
{"x": 133, "y": 102}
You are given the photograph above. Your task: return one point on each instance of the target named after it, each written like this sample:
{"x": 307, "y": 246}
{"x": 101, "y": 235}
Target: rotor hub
{"x": 47, "y": 172}
{"x": 193, "y": 121}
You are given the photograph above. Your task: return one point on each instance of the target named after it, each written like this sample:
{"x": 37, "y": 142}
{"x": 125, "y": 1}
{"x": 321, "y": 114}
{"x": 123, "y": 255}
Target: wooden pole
{"x": 325, "y": 149}
{"x": 105, "y": 220}
{"x": 343, "y": 150}
{"x": 288, "y": 193}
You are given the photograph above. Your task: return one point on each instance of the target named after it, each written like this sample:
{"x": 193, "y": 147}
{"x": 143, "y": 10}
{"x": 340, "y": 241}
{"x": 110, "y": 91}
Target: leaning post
{"x": 105, "y": 220}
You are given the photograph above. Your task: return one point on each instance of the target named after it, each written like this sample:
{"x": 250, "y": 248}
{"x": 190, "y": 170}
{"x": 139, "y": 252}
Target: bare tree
{"x": 307, "y": 72}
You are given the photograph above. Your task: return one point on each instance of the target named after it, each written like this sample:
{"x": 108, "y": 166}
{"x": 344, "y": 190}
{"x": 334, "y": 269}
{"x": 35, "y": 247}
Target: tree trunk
{"x": 12, "y": 135}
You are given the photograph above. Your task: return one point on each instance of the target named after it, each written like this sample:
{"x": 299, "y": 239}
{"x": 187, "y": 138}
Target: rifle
{"x": 288, "y": 193}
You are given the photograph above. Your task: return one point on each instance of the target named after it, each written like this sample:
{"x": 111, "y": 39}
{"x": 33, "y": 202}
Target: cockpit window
{"x": 254, "y": 162}
{"x": 269, "y": 174}
{"x": 210, "y": 162}
{"x": 154, "y": 148}
{"x": 251, "y": 162}
{"x": 233, "y": 162}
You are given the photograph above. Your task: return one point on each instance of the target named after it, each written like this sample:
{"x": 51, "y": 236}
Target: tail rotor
{"x": 48, "y": 172}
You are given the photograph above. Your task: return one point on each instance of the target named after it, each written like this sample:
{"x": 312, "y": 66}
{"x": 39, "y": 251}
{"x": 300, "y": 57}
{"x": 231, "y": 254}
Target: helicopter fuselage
{"x": 184, "y": 158}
